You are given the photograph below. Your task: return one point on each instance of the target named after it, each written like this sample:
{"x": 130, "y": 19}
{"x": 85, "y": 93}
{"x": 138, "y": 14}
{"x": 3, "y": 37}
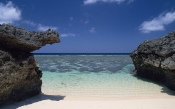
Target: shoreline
{"x": 111, "y": 97}
{"x": 46, "y": 101}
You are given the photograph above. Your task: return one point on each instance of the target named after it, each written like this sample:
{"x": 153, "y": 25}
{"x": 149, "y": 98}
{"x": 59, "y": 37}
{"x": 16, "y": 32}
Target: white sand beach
{"x": 44, "y": 101}
{"x": 100, "y": 89}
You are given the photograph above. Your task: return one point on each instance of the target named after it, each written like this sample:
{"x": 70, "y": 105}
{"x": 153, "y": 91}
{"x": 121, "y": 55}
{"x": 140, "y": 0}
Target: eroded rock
{"x": 24, "y": 40}
{"x": 20, "y": 77}
{"x": 155, "y": 60}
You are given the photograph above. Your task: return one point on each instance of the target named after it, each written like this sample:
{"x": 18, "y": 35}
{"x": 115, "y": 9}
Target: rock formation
{"x": 155, "y": 60}
{"x": 20, "y": 76}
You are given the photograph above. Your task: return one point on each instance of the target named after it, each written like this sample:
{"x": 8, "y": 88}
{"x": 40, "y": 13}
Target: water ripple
{"x": 93, "y": 64}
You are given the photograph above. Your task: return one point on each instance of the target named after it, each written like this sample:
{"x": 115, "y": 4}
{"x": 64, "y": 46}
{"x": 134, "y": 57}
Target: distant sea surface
{"x": 94, "y": 74}
{"x": 81, "y": 53}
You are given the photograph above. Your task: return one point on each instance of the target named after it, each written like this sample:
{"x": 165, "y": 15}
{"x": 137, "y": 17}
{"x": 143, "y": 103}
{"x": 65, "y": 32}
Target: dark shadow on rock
{"x": 168, "y": 91}
{"x": 35, "y": 99}
{"x": 164, "y": 88}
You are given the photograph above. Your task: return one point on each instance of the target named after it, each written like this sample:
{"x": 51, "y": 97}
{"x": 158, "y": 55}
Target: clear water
{"x": 93, "y": 75}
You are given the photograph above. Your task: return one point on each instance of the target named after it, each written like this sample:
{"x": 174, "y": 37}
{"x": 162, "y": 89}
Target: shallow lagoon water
{"x": 93, "y": 75}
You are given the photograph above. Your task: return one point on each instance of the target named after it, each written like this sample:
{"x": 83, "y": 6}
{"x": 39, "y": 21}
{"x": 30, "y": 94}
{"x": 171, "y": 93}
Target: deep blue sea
{"x": 93, "y": 75}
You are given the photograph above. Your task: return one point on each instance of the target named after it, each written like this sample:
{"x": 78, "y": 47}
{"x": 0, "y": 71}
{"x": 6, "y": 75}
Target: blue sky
{"x": 93, "y": 26}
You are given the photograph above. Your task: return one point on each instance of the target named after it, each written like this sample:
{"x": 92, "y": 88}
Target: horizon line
{"x": 81, "y": 53}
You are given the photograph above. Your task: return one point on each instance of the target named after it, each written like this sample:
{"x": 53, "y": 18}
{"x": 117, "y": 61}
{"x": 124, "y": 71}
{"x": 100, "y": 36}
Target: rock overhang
{"x": 20, "y": 76}
{"x": 24, "y": 40}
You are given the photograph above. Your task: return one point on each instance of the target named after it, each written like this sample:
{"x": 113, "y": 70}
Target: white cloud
{"x": 67, "y": 35}
{"x": 9, "y": 13}
{"x": 87, "y": 2}
{"x": 86, "y": 22}
{"x": 130, "y": 1}
{"x": 158, "y": 23}
{"x": 71, "y": 18}
{"x": 44, "y": 28}
{"x": 39, "y": 27}
{"x": 30, "y": 23}
{"x": 92, "y": 30}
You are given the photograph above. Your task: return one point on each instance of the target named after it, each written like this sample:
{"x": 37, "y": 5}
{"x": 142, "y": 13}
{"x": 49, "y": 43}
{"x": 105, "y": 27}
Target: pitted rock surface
{"x": 20, "y": 76}
{"x": 155, "y": 60}
{"x": 24, "y": 40}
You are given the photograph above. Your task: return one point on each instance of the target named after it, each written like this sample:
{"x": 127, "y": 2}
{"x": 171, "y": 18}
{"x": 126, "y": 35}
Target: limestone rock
{"x": 24, "y": 40}
{"x": 155, "y": 60}
{"x": 20, "y": 77}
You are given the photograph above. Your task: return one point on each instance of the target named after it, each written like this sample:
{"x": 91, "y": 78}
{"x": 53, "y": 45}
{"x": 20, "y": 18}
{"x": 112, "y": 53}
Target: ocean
{"x": 107, "y": 75}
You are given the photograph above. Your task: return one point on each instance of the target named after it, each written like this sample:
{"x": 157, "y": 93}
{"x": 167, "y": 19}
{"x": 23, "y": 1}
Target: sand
{"x": 44, "y": 101}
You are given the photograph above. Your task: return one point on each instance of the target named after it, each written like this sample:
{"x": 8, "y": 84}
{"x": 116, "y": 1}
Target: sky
{"x": 92, "y": 26}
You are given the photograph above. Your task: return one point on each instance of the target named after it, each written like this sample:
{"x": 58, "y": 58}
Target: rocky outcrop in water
{"x": 155, "y": 60}
{"x": 20, "y": 76}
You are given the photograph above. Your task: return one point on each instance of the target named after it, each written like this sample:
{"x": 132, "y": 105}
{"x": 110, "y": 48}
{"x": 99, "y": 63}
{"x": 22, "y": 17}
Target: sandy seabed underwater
{"x": 94, "y": 75}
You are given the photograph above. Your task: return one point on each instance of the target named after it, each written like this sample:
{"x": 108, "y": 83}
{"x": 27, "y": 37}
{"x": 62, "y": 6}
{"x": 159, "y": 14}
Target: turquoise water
{"x": 93, "y": 75}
